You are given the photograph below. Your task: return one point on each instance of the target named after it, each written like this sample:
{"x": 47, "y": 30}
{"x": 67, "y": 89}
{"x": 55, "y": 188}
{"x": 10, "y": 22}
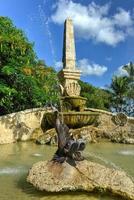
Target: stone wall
{"x": 20, "y": 125}
{"x": 107, "y": 124}
{"x": 110, "y": 130}
{"x": 26, "y": 125}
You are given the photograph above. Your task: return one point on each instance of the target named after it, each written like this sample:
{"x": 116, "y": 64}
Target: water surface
{"x": 16, "y": 159}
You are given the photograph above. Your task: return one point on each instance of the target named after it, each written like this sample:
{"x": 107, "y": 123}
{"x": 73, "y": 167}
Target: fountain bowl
{"x": 73, "y": 103}
{"x": 72, "y": 119}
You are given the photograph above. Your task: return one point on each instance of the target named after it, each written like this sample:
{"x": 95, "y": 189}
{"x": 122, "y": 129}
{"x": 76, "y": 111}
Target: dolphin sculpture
{"x": 68, "y": 147}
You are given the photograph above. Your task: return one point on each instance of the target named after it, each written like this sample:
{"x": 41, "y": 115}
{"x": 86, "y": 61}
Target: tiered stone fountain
{"x": 84, "y": 175}
{"x": 72, "y": 104}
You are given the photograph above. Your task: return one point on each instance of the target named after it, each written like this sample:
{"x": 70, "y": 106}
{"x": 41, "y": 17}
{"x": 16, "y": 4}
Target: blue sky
{"x": 104, "y": 32}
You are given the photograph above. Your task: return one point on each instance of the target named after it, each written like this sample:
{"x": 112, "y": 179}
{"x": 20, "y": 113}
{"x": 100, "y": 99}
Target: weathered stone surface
{"x": 113, "y": 132}
{"x": 72, "y": 88}
{"x": 70, "y": 74}
{"x": 71, "y": 119}
{"x": 89, "y": 134}
{"x": 122, "y": 137}
{"x": 71, "y": 103}
{"x": 20, "y": 125}
{"x": 86, "y": 176}
{"x": 69, "y": 56}
{"x": 49, "y": 137}
{"x": 37, "y": 132}
{"x": 129, "y": 141}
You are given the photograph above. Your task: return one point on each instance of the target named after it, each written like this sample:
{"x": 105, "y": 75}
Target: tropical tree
{"x": 119, "y": 88}
{"x": 130, "y": 70}
{"x": 25, "y": 82}
{"x": 96, "y": 97}
{"x": 21, "y": 90}
{"x": 15, "y": 49}
{"x": 129, "y": 107}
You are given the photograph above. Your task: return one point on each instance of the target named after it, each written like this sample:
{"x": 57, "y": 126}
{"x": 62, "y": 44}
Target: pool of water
{"x": 16, "y": 159}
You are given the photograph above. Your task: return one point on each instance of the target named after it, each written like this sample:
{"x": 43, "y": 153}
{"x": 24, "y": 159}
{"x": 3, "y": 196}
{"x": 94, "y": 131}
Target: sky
{"x": 104, "y": 33}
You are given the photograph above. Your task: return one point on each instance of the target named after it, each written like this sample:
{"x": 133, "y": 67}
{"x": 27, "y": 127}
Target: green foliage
{"x": 129, "y": 106}
{"x": 15, "y": 49}
{"x": 130, "y": 70}
{"x": 8, "y": 70}
{"x": 119, "y": 87}
{"x": 6, "y": 93}
{"x": 19, "y": 91}
{"x": 96, "y": 97}
{"x": 122, "y": 90}
{"x": 24, "y": 81}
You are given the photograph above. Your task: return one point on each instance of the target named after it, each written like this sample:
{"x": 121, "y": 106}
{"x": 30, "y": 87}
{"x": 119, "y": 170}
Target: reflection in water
{"x": 37, "y": 154}
{"x": 16, "y": 159}
{"x": 127, "y": 152}
{"x": 9, "y": 170}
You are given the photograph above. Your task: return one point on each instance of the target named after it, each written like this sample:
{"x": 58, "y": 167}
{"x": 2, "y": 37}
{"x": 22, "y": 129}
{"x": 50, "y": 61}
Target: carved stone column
{"x": 71, "y": 75}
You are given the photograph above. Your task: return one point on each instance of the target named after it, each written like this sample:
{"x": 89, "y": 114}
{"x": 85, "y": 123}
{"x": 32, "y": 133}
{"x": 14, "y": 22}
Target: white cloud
{"x": 58, "y": 65}
{"x": 121, "y": 72}
{"x": 93, "y": 21}
{"x": 90, "y": 68}
{"x": 123, "y": 18}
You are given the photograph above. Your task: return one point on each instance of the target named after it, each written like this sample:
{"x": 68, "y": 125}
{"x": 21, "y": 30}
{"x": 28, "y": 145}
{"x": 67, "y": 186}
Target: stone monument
{"x": 70, "y": 74}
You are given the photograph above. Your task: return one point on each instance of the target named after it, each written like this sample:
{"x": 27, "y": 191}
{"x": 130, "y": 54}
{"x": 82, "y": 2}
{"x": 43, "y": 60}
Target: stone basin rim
{"x": 73, "y": 97}
{"x": 76, "y": 113}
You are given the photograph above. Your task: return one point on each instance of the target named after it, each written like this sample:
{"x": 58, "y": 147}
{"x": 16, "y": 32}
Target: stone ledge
{"x": 100, "y": 111}
{"x": 25, "y": 112}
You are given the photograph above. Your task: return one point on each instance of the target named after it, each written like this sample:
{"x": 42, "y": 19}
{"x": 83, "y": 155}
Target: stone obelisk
{"x": 71, "y": 75}
{"x": 69, "y": 55}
